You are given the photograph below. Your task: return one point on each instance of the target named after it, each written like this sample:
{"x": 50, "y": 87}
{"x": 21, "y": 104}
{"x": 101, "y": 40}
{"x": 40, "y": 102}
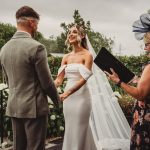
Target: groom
{"x": 24, "y": 62}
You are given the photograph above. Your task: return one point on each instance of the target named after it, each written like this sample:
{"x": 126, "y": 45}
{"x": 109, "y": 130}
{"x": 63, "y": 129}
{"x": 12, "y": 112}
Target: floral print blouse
{"x": 140, "y": 133}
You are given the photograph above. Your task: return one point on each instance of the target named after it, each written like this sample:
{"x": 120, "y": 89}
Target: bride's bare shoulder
{"x": 66, "y": 55}
{"x": 65, "y": 58}
{"x": 88, "y": 54}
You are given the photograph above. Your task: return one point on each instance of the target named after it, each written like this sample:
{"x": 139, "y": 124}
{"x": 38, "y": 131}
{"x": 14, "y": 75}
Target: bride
{"x": 93, "y": 117}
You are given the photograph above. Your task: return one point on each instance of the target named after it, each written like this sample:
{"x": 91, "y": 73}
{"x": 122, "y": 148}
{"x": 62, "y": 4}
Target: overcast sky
{"x": 112, "y": 18}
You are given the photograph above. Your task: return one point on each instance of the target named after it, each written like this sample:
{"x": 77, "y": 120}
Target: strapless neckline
{"x": 75, "y": 70}
{"x": 78, "y": 65}
{"x": 75, "y": 64}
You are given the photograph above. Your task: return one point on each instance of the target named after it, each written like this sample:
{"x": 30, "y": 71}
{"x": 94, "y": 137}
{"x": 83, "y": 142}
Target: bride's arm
{"x": 81, "y": 82}
{"x": 60, "y": 77}
{"x": 58, "y": 81}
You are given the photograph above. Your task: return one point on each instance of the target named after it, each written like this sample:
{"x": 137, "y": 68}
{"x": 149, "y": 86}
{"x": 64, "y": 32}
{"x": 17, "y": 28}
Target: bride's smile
{"x": 73, "y": 36}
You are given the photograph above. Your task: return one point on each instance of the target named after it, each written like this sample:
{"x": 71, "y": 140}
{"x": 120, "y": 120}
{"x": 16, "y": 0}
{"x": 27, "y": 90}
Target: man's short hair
{"x": 27, "y": 11}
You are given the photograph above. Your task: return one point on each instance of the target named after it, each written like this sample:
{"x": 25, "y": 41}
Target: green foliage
{"x": 60, "y": 43}
{"x": 39, "y": 36}
{"x": 78, "y": 20}
{"x": 6, "y": 32}
{"x": 2, "y": 42}
{"x": 134, "y": 63}
{"x": 127, "y": 103}
{"x": 6, "y": 120}
{"x": 54, "y": 64}
{"x": 55, "y": 121}
{"x": 50, "y": 44}
{"x": 97, "y": 39}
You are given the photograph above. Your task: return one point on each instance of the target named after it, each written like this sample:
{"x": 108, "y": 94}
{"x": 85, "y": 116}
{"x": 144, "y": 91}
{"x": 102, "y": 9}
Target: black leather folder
{"x": 105, "y": 60}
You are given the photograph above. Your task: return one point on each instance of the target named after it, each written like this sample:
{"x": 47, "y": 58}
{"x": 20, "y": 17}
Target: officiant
{"x": 140, "y": 128}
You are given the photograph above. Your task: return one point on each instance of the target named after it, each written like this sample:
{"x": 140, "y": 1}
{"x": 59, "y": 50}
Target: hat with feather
{"x": 141, "y": 28}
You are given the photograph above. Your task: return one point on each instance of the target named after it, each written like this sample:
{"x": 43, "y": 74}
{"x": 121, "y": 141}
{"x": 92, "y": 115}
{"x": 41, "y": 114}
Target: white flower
{"x": 3, "y": 86}
{"x": 61, "y": 128}
{"x": 4, "y": 144}
{"x": 49, "y": 100}
{"x": 59, "y": 90}
{"x": 7, "y": 90}
{"x": 51, "y": 106}
{"x": 65, "y": 82}
{"x": 117, "y": 94}
{"x": 53, "y": 117}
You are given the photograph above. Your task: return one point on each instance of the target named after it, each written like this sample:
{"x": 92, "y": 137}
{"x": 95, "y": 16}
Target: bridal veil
{"x": 109, "y": 125}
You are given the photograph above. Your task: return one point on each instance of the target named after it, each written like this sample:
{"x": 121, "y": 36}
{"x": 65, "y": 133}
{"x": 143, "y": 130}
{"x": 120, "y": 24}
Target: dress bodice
{"x": 75, "y": 71}
{"x": 77, "y": 109}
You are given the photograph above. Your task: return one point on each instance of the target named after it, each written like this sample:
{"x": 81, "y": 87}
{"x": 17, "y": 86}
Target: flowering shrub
{"x": 55, "y": 118}
{"x": 7, "y": 128}
{"x": 127, "y": 102}
{"x": 55, "y": 121}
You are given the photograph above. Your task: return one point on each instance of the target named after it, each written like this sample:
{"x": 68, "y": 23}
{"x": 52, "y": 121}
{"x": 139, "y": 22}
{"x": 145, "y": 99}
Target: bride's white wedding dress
{"x": 93, "y": 107}
{"x": 77, "y": 109}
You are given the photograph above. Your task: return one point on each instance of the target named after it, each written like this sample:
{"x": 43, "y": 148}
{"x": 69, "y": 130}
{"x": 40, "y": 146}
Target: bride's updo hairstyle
{"x": 83, "y": 40}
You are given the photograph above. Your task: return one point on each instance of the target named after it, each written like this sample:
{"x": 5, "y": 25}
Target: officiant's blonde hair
{"x": 146, "y": 38}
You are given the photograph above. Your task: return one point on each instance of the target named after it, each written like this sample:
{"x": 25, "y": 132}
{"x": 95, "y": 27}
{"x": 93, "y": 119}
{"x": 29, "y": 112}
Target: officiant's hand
{"x": 64, "y": 96}
{"x": 113, "y": 77}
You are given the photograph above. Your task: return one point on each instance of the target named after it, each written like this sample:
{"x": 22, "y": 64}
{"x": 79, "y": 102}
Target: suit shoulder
{"x": 37, "y": 46}
{"x": 37, "y": 43}
{"x": 5, "y": 46}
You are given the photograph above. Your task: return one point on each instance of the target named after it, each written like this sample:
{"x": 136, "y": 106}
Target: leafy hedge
{"x": 134, "y": 63}
{"x": 54, "y": 64}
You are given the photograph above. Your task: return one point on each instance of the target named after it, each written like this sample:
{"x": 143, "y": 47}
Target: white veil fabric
{"x": 109, "y": 125}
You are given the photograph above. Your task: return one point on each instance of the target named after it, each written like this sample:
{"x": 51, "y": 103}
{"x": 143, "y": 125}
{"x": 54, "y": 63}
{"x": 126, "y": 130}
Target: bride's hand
{"x": 64, "y": 96}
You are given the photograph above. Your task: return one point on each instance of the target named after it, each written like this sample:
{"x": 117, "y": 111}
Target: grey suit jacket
{"x": 24, "y": 62}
